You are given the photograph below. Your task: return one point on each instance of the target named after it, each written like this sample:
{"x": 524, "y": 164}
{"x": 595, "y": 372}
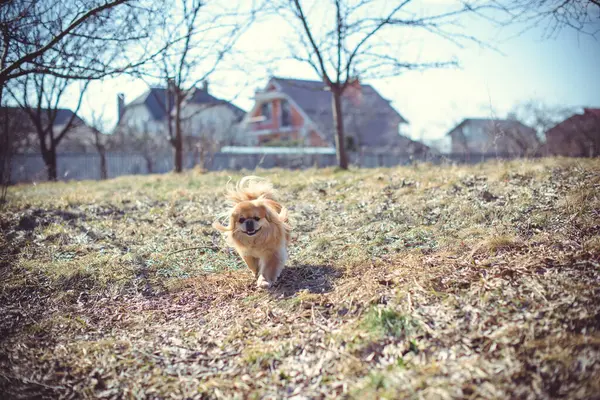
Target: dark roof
{"x": 316, "y": 102}
{"x": 595, "y": 112}
{"x": 578, "y": 123}
{"x": 62, "y": 114}
{"x": 155, "y": 100}
{"x": 492, "y": 125}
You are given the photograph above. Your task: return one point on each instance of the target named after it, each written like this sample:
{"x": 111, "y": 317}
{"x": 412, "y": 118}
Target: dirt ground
{"x": 415, "y": 282}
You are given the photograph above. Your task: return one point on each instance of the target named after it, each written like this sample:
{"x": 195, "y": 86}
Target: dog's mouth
{"x": 252, "y": 233}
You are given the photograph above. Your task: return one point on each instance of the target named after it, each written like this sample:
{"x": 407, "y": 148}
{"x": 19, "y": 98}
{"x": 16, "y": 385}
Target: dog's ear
{"x": 272, "y": 204}
{"x": 269, "y": 214}
{"x": 283, "y": 214}
{"x": 217, "y": 225}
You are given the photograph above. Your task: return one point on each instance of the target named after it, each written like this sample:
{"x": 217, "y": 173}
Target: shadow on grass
{"x": 312, "y": 278}
{"x": 23, "y": 295}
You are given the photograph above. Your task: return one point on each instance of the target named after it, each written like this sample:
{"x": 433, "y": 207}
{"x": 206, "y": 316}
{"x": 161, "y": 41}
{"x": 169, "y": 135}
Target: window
{"x": 350, "y": 143}
{"x": 286, "y": 119}
{"x": 265, "y": 110}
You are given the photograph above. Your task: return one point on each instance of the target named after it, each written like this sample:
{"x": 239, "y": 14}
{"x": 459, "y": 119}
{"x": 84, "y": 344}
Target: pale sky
{"x": 561, "y": 71}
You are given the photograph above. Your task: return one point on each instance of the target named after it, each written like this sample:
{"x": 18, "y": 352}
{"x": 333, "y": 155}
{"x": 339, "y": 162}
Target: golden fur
{"x": 258, "y": 228}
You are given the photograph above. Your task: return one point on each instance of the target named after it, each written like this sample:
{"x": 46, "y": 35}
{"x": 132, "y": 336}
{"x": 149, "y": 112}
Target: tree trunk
{"x": 178, "y": 137}
{"x": 49, "y": 156}
{"x": 149, "y": 166}
{"x": 338, "y": 118}
{"x": 197, "y": 157}
{"x": 103, "y": 168}
{"x": 6, "y": 150}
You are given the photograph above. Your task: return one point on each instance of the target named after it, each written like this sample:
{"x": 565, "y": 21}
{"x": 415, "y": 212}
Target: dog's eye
{"x": 241, "y": 220}
{"x": 256, "y": 218}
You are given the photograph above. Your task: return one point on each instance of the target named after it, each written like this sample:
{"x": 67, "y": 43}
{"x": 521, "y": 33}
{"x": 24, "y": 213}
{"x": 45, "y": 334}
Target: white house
{"x": 205, "y": 118}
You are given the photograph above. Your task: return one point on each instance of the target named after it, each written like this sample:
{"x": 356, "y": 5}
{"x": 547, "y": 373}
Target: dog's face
{"x": 250, "y": 219}
{"x": 256, "y": 224}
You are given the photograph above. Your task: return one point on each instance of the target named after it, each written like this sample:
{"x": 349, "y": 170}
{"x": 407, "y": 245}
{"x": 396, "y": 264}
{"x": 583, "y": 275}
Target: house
{"x": 577, "y": 136}
{"x": 499, "y": 136}
{"x": 23, "y": 136}
{"x": 204, "y": 117}
{"x": 294, "y": 112}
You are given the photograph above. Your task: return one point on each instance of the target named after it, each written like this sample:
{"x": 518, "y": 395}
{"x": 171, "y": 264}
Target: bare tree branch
{"x": 31, "y": 56}
{"x": 369, "y": 35}
{"x": 315, "y": 49}
{"x": 553, "y": 16}
{"x": 48, "y": 92}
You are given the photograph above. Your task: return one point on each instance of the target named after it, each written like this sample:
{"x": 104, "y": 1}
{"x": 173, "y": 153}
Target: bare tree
{"x": 205, "y": 135}
{"x": 140, "y": 139}
{"x": 40, "y": 97}
{"x": 539, "y": 115}
{"x": 14, "y": 138}
{"x": 197, "y": 36}
{"x": 45, "y": 44}
{"x": 356, "y": 41}
{"x": 99, "y": 140}
{"x": 100, "y": 144}
{"x": 45, "y": 37}
{"x": 553, "y": 16}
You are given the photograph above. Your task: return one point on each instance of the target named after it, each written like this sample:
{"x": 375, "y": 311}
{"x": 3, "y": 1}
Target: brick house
{"x": 294, "y": 112}
{"x": 500, "y": 136}
{"x": 577, "y": 136}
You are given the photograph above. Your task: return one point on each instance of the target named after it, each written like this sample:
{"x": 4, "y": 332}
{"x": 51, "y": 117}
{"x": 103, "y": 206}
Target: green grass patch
{"x": 385, "y": 321}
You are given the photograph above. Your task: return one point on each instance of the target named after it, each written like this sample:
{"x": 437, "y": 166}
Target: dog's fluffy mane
{"x": 252, "y": 188}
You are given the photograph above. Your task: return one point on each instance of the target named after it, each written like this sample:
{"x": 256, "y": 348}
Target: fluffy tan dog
{"x": 258, "y": 228}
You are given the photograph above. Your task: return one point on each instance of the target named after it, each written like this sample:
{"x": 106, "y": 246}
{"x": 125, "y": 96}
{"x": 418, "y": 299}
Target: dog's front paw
{"x": 263, "y": 283}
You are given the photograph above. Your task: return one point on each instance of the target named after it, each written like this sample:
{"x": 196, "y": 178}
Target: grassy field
{"x": 416, "y": 282}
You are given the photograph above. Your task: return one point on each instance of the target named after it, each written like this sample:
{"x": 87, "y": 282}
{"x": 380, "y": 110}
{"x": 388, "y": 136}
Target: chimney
{"x": 205, "y": 85}
{"x": 120, "y": 106}
{"x": 354, "y": 92}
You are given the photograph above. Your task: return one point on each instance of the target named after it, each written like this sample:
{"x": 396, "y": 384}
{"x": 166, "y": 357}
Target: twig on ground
{"x": 192, "y": 248}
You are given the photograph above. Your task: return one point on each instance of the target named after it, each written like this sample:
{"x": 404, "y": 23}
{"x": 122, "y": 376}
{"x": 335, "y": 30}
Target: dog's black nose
{"x": 249, "y": 225}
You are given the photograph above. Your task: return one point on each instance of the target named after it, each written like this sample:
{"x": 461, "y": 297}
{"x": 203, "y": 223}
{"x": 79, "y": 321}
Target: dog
{"x": 258, "y": 229}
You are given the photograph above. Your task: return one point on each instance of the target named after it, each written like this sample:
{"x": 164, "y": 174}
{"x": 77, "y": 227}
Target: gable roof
{"x": 155, "y": 100}
{"x": 592, "y": 111}
{"x": 575, "y": 124}
{"x": 63, "y": 115}
{"x": 316, "y": 102}
{"x": 491, "y": 125}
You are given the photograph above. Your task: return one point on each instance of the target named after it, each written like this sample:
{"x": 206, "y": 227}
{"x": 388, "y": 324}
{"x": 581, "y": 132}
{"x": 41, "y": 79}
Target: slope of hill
{"x": 425, "y": 281}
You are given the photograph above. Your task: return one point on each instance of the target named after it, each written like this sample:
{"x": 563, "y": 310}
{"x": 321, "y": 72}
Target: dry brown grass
{"x": 423, "y": 281}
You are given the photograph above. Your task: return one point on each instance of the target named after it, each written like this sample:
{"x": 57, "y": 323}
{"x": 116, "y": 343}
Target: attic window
{"x": 265, "y": 110}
